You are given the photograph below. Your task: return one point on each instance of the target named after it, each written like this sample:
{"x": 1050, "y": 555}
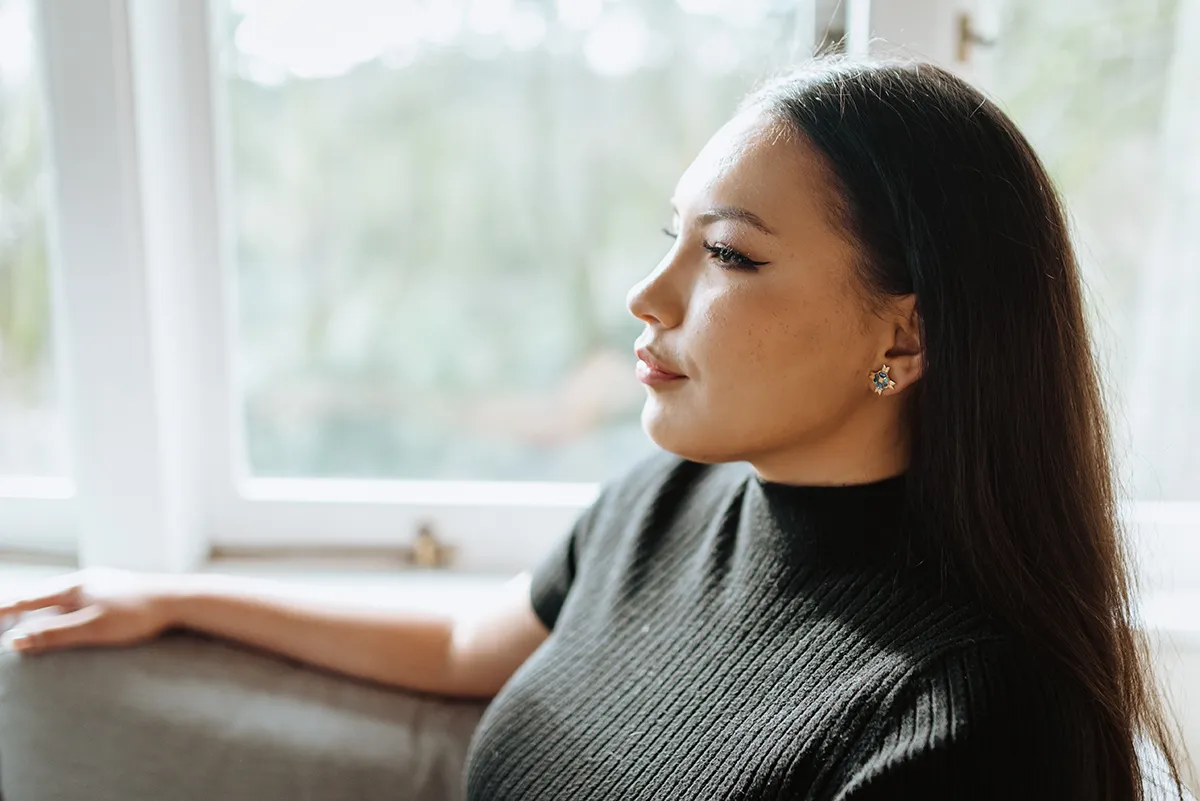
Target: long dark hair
{"x": 1011, "y": 466}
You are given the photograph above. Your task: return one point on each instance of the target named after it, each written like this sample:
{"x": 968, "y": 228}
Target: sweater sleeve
{"x": 552, "y": 577}
{"x": 982, "y": 724}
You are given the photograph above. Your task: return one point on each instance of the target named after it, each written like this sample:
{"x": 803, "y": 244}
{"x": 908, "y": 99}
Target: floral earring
{"x": 880, "y": 380}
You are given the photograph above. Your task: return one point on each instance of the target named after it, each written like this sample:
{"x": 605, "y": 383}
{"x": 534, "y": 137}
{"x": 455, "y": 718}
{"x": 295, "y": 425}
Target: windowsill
{"x": 379, "y": 583}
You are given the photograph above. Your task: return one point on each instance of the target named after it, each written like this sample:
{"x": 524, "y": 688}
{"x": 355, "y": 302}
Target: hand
{"x": 95, "y": 606}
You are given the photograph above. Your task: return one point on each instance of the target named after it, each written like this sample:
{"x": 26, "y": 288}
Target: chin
{"x": 677, "y": 434}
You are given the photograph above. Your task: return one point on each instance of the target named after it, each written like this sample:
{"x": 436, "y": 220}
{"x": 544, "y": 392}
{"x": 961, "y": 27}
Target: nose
{"x": 658, "y": 299}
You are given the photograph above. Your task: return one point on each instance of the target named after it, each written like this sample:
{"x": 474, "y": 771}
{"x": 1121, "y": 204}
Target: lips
{"x": 657, "y": 368}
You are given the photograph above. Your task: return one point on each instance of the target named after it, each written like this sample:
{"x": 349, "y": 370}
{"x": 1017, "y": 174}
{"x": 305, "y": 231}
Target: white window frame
{"x": 142, "y": 254}
{"x": 143, "y": 309}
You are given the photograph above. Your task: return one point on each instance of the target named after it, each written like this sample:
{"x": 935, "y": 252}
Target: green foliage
{"x": 416, "y": 242}
{"x": 24, "y": 284}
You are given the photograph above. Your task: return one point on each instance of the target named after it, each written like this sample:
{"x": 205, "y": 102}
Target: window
{"x": 439, "y": 208}
{"x": 326, "y": 274}
{"x": 1107, "y": 93}
{"x": 31, "y": 425}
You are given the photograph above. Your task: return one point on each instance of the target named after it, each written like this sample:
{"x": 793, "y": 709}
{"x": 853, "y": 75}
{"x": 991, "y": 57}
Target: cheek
{"x": 776, "y": 362}
{"x": 773, "y": 366}
{"x": 767, "y": 341}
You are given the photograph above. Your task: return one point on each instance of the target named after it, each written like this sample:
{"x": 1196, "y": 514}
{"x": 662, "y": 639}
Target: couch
{"x": 189, "y": 717}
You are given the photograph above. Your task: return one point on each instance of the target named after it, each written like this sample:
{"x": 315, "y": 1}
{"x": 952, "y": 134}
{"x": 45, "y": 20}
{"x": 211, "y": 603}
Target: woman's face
{"x": 755, "y": 305}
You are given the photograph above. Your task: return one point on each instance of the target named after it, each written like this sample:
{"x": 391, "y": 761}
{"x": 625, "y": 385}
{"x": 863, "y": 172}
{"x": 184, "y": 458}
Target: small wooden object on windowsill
{"x": 968, "y": 37}
{"x": 427, "y": 551}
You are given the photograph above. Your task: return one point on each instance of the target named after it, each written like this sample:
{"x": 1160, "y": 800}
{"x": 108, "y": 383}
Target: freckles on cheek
{"x": 784, "y": 329}
{"x": 734, "y": 334}
{"x": 797, "y": 341}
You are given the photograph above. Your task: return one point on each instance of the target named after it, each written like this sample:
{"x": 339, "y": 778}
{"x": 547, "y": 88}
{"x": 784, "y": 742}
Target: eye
{"x": 670, "y": 233}
{"x": 732, "y": 259}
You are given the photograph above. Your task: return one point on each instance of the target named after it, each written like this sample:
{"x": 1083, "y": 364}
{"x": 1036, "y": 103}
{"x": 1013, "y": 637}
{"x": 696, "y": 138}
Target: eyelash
{"x": 726, "y": 256}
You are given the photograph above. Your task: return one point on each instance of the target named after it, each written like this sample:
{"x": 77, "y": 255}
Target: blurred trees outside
{"x": 31, "y": 427}
{"x": 439, "y": 208}
{"x": 436, "y": 231}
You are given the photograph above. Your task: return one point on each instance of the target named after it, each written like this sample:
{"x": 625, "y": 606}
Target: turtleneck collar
{"x": 846, "y": 524}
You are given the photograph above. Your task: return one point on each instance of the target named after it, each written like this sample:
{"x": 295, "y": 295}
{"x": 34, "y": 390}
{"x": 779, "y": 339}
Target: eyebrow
{"x": 733, "y": 213}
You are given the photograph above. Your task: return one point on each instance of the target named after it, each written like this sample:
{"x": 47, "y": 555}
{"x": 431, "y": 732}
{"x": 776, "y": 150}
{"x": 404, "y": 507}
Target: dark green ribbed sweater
{"x": 716, "y": 636}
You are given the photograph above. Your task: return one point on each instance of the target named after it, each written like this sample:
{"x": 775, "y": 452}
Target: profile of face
{"x": 757, "y": 308}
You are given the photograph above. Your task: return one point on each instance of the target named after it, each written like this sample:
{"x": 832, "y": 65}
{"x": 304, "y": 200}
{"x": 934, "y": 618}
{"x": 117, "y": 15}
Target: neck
{"x": 869, "y": 447}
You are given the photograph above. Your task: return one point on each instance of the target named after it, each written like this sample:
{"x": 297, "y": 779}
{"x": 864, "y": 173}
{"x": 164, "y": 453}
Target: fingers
{"x": 44, "y": 633}
{"x": 65, "y": 596}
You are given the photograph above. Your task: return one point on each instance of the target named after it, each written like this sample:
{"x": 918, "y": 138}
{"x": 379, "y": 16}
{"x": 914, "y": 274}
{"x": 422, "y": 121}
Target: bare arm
{"x": 469, "y": 656}
{"x": 488, "y": 647}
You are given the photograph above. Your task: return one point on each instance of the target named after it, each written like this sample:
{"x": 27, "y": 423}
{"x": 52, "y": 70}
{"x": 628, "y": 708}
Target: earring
{"x": 880, "y": 380}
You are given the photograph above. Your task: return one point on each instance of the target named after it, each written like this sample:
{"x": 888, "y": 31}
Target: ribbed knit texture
{"x": 716, "y": 636}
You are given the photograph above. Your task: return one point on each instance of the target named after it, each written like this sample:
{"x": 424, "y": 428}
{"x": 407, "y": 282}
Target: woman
{"x": 878, "y": 557}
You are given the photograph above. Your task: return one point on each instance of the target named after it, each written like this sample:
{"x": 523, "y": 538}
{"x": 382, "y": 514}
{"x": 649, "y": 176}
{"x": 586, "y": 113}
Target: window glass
{"x": 31, "y": 426}
{"x": 439, "y": 208}
{"x": 1107, "y": 91}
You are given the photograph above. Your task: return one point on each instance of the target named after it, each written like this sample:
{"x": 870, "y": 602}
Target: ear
{"x": 903, "y": 351}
